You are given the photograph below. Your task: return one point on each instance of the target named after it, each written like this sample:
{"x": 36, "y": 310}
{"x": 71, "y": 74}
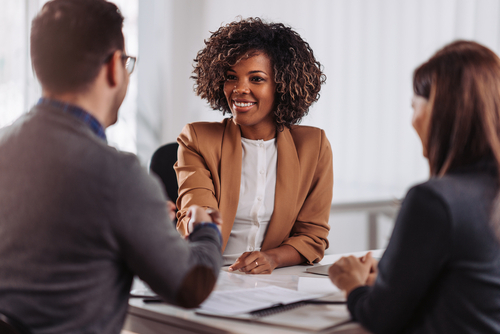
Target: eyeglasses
{"x": 129, "y": 61}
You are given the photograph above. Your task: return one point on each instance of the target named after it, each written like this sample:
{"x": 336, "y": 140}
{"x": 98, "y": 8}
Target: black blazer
{"x": 441, "y": 270}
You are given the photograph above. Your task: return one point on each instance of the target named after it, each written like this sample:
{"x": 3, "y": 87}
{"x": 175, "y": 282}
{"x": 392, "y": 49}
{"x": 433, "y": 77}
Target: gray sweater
{"x": 77, "y": 220}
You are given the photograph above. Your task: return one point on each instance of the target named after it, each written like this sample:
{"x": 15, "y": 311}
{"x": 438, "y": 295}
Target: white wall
{"x": 369, "y": 49}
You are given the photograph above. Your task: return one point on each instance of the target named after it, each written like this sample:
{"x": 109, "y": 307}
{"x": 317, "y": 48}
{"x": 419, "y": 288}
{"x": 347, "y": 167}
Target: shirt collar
{"x": 79, "y": 113}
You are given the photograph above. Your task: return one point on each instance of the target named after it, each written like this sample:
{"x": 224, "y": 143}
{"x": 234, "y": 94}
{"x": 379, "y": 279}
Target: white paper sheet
{"x": 315, "y": 285}
{"x": 239, "y": 281}
{"x": 141, "y": 289}
{"x": 247, "y": 300}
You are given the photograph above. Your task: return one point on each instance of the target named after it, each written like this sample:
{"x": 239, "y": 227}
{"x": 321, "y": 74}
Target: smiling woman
{"x": 271, "y": 179}
{"x": 250, "y": 90}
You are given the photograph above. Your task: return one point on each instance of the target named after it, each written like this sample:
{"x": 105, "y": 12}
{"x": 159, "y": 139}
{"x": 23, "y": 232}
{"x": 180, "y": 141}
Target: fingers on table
{"x": 251, "y": 262}
{"x": 259, "y": 268}
{"x": 240, "y": 262}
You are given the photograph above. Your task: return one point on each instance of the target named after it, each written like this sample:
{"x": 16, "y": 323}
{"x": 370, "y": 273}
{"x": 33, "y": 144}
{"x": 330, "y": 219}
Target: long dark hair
{"x": 462, "y": 83}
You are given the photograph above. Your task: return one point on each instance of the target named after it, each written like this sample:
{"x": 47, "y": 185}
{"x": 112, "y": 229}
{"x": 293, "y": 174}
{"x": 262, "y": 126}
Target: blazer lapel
{"x": 287, "y": 185}
{"x": 230, "y": 177}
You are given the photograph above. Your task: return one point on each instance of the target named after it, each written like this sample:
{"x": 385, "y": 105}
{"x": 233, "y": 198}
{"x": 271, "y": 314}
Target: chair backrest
{"x": 11, "y": 325}
{"x": 162, "y": 164}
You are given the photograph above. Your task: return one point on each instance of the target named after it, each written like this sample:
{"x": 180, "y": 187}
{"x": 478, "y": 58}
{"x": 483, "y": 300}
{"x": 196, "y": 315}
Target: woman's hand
{"x": 254, "y": 263}
{"x": 265, "y": 262}
{"x": 351, "y": 272}
{"x": 372, "y": 276}
{"x": 171, "y": 208}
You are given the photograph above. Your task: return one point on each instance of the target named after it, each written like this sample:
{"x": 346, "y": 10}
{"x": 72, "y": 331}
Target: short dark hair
{"x": 462, "y": 83}
{"x": 70, "y": 41}
{"x": 297, "y": 73}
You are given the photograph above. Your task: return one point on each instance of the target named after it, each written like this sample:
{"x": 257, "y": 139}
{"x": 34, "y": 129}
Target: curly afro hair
{"x": 297, "y": 73}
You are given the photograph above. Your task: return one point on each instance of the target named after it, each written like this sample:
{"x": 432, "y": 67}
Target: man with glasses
{"x": 77, "y": 217}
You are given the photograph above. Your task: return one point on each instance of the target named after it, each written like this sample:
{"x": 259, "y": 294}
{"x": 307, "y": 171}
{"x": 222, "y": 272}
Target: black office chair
{"x": 162, "y": 164}
{"x": 11, "y": 325}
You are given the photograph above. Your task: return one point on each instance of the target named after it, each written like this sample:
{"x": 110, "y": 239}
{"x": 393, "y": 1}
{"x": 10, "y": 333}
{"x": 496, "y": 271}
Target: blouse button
{"x": 262, "y": 171}
{"x": 259, "y": 198}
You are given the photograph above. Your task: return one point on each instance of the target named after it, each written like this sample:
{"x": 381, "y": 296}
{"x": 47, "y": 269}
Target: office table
{"x": 150, "y": 318}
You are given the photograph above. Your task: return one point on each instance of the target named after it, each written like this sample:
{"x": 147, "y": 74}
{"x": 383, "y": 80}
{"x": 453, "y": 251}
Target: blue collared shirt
{"x": 79, "y": 113}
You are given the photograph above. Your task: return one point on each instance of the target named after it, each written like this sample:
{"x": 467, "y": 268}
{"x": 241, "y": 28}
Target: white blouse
{"x": 256, "y": 201}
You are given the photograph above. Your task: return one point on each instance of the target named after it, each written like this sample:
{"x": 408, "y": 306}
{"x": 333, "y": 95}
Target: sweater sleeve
{"x": 416, "y": 254}
{"x": 182, "y": 272}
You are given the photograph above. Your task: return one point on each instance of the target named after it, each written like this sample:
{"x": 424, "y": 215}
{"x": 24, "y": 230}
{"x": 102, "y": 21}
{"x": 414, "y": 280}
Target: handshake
{"x": 197, "y": 215}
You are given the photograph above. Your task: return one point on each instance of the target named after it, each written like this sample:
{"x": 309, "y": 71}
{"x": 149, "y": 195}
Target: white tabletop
{"x": 172, "y": 317}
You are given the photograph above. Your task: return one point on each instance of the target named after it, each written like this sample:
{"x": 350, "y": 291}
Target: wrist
{"x": 349, "y": 288}
{"x": 273, "y": 258}
{"x": 284, "y": 256}
{"x": 202, "y": 225}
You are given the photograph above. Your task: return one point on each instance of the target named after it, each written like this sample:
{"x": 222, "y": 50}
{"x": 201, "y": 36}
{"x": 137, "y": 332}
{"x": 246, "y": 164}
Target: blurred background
{"x": 368, "y": 49}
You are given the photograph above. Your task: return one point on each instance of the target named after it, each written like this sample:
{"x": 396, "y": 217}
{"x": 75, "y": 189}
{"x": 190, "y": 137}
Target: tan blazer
{"x": 209, "y": 171}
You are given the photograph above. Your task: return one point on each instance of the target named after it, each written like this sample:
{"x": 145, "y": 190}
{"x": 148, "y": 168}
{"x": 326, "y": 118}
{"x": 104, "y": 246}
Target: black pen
{"x": 313, "y": 301}
{"x": 152, "y": 300}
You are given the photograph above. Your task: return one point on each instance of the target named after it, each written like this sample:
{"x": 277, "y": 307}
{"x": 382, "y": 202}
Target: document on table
{"x": 239, "y": 281}
{"x": 281, "y": 305}
{"x": 247, "y": 300}
{"x": 241, "y": 304}
{"x": 315, "y": 285}
{"x": 141, "y": 289}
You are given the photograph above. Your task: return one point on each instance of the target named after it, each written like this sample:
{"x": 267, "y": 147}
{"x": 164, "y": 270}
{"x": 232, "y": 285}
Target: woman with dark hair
{"x": 440, "y": 272}
{"x": 271, "y": 179}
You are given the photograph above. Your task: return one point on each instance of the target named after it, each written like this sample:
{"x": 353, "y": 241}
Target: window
{"x": 19, "y": 89}
{"x": 13, "y": 33}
